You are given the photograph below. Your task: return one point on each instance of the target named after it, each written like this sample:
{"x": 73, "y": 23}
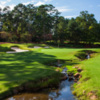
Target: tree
{"x": 85, "y": 20}
{"x": 94, "y": 32}
{"x": 1, "y": 19}
{"x": 38, "y": 24}
{"x": 46, "y": 16}
{"x": 73, "y": 31}
{"x": 61, "y": 26}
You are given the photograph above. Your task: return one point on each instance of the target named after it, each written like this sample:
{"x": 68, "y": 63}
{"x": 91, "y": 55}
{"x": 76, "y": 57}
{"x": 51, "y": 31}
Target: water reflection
{"x": 63, "y": 93}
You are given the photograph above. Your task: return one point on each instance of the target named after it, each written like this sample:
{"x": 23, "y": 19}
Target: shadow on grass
{"x": 84, "y": 53}
{"x": 4, "y": 49}
{"x": 20, "y": 61}
{"x": 19, "y": 68}
{"x": 16, "y": 69}
{"x": 72, "y": 62}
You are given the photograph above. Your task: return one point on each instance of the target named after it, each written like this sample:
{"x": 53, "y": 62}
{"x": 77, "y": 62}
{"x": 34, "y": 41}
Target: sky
{"x": 68, "y": 8}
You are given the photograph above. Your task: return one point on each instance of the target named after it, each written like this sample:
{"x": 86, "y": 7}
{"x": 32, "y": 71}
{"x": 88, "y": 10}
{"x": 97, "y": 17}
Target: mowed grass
{"x": 90, "y": 81}
{"x": 26, "y": 46}
{"x": 18, "y": 68}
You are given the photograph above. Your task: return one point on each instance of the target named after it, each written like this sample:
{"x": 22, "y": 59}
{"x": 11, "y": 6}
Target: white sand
{"x": 16, "y": 50}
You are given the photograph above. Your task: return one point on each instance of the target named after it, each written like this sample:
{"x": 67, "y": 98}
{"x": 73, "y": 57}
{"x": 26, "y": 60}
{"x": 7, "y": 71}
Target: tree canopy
{"x": 27, "y": 23}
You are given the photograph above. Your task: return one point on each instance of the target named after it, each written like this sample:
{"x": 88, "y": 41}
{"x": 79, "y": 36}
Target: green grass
{"x": 25, "y": 46}
{"x": 16, "y": 69}
{"x": 90, "y": 80}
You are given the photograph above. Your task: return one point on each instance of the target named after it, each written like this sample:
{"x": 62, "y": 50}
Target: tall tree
{"x": 73, "y": 31}
{"x": 61, "y": 29}
{"x": 46, "y": 16}
{"x": 85, "y": 20}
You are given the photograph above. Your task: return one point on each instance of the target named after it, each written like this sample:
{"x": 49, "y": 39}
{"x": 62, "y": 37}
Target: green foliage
{"x": 85, "y": 21}
{"x": 74, "y": 32}
{"x": 27, "y": 23}
{"x": 37, "y": 22}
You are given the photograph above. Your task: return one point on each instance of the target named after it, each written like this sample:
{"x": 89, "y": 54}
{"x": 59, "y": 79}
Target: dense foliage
{"x": 27, "y": 23}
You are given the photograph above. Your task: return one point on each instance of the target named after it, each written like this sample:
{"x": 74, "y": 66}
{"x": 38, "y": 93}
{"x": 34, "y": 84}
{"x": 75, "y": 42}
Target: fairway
{"x": 19, "y": 68}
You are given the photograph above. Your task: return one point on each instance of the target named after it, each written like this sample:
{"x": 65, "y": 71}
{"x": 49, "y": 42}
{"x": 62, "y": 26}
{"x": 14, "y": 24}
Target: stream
{"x": 64, "y": 92}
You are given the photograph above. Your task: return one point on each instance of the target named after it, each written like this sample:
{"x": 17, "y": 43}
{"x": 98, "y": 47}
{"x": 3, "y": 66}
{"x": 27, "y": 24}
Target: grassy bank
{"x": 19, "y": 68}
{"x": 88, "y": 86}
{"x": 34, "y": 66}
{"x": 16, "y": 69}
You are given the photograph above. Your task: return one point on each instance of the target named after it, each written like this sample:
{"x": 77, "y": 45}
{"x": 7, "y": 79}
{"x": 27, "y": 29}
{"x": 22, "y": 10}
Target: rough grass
{"x": 90, "y": 80}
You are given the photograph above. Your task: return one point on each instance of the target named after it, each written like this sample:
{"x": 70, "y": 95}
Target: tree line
{"x": 28, "y": 23}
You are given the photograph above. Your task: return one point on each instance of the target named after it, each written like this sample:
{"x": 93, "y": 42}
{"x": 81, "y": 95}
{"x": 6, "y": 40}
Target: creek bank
{"x": 85, "y": 54}
{"x": 62, "y": 92}
{"x": 48, "y": 82}
{"x": 34, "y": 86}
{"x": 85, "y": 95}
{"x": 81, "y": 90}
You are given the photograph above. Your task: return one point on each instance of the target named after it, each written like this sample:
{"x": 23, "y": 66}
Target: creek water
{"x": 64, "y": 92}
